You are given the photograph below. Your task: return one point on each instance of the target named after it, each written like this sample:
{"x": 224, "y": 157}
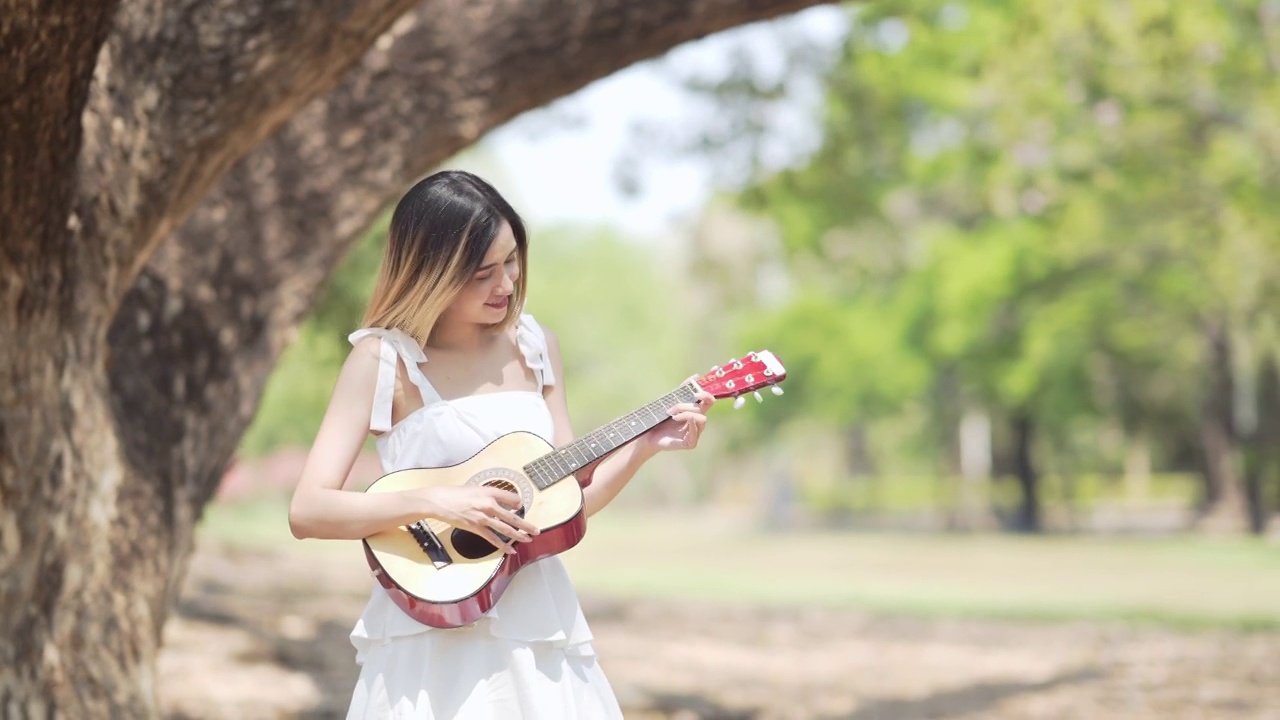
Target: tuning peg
{"x": 759, "y": 398}
{"x": 739, "y": 402}
{"x": 776, "y": 390}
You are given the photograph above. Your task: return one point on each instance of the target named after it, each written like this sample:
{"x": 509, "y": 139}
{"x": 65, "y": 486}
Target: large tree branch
{"x": 184, "y": 88}
{"x": 250, "y": 262}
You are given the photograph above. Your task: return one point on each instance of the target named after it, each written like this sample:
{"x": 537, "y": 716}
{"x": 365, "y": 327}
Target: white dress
{"x": 530, "y": 657}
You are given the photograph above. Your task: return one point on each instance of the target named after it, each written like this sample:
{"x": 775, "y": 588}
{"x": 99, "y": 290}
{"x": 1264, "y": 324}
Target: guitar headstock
{"x": 747, "y": 374}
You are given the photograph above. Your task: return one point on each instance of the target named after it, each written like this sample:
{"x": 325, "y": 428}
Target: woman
{"x": 448, "y": 362}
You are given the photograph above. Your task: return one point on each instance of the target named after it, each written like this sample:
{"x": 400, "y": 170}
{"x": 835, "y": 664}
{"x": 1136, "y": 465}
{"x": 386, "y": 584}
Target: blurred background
{"x": 1022, "y": 262}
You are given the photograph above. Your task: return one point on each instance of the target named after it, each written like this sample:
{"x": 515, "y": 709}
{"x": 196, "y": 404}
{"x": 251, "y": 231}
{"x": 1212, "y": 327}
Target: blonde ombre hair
{"x": 440, "y": 232}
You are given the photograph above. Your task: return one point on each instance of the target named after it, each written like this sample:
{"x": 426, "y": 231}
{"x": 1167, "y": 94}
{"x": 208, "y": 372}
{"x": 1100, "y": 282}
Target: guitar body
{"x": 450, "y": 577}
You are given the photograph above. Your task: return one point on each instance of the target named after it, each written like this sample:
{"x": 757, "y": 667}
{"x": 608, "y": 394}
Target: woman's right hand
{"x": 485, "y": 511}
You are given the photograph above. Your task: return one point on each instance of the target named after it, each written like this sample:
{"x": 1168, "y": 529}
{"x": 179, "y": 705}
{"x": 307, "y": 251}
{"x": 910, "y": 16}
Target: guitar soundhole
{"x": 470, "y": 545}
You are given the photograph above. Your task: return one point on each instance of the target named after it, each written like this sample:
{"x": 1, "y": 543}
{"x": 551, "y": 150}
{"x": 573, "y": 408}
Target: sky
{"x": 558, "y": 164}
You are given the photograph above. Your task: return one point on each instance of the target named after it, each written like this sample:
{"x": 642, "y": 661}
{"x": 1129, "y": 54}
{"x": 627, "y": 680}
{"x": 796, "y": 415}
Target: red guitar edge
{"x": 466, "y": 611}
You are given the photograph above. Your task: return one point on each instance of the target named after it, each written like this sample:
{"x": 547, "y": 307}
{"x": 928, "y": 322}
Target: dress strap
{"x": 533, "y": 345}
{"x": 396, "y": 345}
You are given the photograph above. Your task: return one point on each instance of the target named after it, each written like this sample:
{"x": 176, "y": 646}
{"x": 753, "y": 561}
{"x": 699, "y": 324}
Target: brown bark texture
{"x": 1225, "y": 504}
{"x": 1028, "y": 515}
{"x": 177, "y": 181}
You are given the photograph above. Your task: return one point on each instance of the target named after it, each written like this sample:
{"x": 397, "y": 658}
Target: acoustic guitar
{"x": 447, "y": 577}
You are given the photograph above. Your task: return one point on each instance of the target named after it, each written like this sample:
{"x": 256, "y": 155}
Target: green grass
{"x": 1187, "y": 582}
{"x": 915, "y": 493}
{"x": 1183, "y": 582}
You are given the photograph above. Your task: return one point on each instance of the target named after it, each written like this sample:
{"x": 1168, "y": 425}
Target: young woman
{"x": 448, "y": 362}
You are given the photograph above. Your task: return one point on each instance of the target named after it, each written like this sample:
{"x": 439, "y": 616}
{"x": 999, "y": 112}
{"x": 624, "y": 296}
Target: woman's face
{"x": 486, "y": 294}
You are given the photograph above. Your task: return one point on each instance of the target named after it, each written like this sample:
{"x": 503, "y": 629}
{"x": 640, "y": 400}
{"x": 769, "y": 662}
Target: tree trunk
{"x": 1262, "y": 450}
{"x": 1024, "y": 469}
{"x": 1224, "y": 499}
{"x": 58, "y": 471}
{"x": 858, "y": 461}
{"x": 1137, "y": 468}
{"x": 177, "y": 181}
{"x": 976, "y": 460}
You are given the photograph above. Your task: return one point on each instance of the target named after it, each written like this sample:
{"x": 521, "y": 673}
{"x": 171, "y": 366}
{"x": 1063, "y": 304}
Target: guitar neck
{"x": 561, "y": 463}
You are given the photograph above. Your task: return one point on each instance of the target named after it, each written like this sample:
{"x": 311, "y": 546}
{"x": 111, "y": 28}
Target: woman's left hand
{"x": 684, "y": 428}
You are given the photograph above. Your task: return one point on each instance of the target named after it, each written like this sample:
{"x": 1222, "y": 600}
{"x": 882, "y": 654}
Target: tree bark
{"x": 1027, "y": 518}
{"x": 51, "y": 399}
{"x": 179, "y": 179}
{"x": 1262, "y": 449}
{"x": 858, "y": 460}
{"x": 1224, "y": 507}
{"x": 1137, "y": 468}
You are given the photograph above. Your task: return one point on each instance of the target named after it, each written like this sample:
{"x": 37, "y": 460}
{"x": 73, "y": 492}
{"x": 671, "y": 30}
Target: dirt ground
{"x": 261, "y": 636}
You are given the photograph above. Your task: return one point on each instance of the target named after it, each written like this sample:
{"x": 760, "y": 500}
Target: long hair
{"x": 440, "y": 232}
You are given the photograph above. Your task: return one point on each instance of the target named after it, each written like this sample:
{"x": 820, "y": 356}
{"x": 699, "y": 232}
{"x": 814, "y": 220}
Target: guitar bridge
{"x": 430, "y": 544}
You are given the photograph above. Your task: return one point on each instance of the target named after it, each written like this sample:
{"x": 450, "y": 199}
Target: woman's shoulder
{"x": 542, "y": 336}
{"x": 367, "y": 344}
{"x": 375, "y": 339}
{"x": 529, "y": 323}
{"x": 364, "y": 356}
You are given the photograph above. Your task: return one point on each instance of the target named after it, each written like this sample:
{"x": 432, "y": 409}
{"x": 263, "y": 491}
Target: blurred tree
{"x": 1060, "y": 210}
{"x": 178, "y": 180}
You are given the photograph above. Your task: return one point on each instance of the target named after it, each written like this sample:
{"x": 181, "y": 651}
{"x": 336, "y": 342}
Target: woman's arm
{"x": 320, "y": 508}
{"x": 613, "y": 473}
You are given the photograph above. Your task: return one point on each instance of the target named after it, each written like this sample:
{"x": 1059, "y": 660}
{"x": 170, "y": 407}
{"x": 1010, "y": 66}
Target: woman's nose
{"x": 508, "y": 285}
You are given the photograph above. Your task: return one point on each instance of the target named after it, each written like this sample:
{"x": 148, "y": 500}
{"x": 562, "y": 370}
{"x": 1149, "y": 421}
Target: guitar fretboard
{"x": 554, "y": 466}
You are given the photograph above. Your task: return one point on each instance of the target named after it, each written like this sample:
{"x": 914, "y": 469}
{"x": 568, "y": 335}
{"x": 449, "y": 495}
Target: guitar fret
{"x": 535, "y": 473}
{"x": 561, "y": 463}
{"x": 568, "y": 460}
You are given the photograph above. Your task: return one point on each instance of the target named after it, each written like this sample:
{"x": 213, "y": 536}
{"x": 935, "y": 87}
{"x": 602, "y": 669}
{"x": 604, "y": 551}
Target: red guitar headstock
{"x": 749, "y": 374}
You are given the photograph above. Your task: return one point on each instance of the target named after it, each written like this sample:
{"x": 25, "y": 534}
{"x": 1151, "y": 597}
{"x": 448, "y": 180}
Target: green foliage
{"x": 861, "y": 368}
{"x": 615, "y": 305}
{"x": 1035, "y": 209}
{"x": 297, "y": 394}
{"x": 342, "y": 305}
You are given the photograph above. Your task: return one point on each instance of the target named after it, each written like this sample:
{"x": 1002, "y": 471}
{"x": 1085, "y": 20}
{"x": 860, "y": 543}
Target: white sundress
{"x": 531, "y": 656}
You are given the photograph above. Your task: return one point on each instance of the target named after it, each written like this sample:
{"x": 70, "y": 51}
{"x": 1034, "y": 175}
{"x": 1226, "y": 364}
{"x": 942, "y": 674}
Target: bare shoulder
{"x": 553, "y": 343}
{"x": 362, "y": 361}
{"x": 365, "y": 350}
{"x": 553, "y": 340}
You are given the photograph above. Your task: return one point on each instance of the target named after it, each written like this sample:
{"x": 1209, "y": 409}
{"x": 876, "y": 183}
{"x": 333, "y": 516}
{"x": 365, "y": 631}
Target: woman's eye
{"x": 482, "y": 278}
